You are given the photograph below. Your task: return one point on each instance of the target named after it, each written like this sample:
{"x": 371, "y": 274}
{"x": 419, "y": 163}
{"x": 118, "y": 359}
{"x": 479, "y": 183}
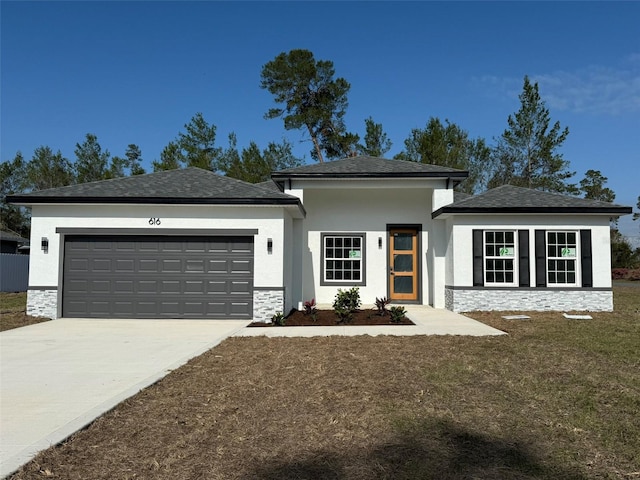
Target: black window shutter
{"x": 478, "y": 271}
{"x": 541, "y": 259}
{"x": 586, "y": 258}
{"x": 523, "y": 258}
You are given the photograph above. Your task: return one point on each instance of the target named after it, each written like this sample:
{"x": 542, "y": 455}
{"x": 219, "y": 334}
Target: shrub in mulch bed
{"x": 328, "y": 318}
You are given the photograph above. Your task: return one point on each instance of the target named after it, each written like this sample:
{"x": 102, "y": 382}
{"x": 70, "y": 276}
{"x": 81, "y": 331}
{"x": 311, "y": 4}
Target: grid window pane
{"x": 343, "y": 255}
{"x": 562, "y": 251}
{"x": 499, "y": 254}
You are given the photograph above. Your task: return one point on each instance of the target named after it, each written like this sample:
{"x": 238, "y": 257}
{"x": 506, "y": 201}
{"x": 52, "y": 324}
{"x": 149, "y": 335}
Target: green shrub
{"x": 344, "y": 315}
{"x": 347, "y": 300}
{"x": 397, "y": 313}
{"x": 279, "y": 319}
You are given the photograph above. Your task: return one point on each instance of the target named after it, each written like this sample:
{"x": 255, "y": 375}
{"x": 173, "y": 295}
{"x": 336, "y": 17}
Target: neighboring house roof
{"x": 12, "y": 237}
{"x": 510, "y": 199}
{"x": 369, "y": 167}
{"x": 185, "y": 186}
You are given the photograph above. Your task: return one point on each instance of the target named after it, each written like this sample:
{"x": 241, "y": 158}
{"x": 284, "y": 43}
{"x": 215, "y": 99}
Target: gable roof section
{"x": 186, "y": 186}
{"x": 369, "y": 167}
{"x": 510, "y": 199}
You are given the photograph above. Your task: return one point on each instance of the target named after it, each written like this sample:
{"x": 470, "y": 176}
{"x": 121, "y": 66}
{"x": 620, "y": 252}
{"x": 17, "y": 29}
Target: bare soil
{"x": 555, "y": 399}
{"x": 327, "y": 318}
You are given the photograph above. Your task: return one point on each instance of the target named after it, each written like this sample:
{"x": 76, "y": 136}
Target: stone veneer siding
{"x": 467, "y": 300}
{"x": 42, "y": 303}
{"x": 266, "y": 302}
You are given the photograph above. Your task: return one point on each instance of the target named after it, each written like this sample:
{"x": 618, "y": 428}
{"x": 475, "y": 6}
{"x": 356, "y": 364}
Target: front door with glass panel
{"x": 403, "y": 264}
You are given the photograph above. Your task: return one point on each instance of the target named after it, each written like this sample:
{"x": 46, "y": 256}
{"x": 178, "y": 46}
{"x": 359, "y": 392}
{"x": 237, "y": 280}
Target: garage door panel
{"x": 169, "y": 308}
{"x": 147, "y": 286}
{"x": 125, "y": 247}
{"x": 239, "y": 286}
{"x": 239, "y": 308}
{"x": 124, "y": 309}
{"x": 77, "y": 286}
{"x": 125, "y": 265}
{"x": 124, "y": 286}
{"x": 195, "y": 286}
{"x": 147, "y": 265}
{"x": 99, "y": 287}
{"x": 158, "y": 277}
{"x": 216, "y": 286}
{"x": 195, "y": 265}
{"x": 78, "y": 246}
{"x": 79, "y": 265}
{"x": 169, "y": 286}
{"x": 101, "y": 246}
{"x": 148, "y": 246}
{"x": 196, "y": 247}
{"x": 240, "y": 247}
{"x": 241, "y": 266}
{"x": 171, "y": 266}
{"x": 218, "y": 266}
{"x": 101, "y": 265}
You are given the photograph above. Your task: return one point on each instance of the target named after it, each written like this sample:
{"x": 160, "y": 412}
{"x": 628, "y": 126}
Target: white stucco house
{"x": 193, "y": 244}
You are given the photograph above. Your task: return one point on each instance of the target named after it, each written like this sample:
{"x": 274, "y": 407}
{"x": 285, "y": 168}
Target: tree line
{"x": 309, "y": 97}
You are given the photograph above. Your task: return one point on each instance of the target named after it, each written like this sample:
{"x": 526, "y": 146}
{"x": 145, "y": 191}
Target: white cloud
{"x": 595, "y": 89}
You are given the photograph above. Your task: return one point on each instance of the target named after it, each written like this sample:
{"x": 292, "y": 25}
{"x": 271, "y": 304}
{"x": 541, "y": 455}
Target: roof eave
{"x": 326, "y": 176}
{"x": 27, "y": 200}
{"x": 614, "y": 211}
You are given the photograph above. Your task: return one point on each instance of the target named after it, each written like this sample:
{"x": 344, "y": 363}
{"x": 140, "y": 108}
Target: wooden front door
{"x": 403, "y": 264}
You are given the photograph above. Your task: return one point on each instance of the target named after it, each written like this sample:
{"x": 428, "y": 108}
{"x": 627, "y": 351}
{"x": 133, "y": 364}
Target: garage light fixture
{"x": 269, "y": 246}
{"x": 45, "y": 244}
{"x": 380, "y": 243}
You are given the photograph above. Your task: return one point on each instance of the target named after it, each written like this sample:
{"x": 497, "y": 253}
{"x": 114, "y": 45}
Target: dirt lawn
{"x": 13, "y": 312}
{"x": 556, "y": 399}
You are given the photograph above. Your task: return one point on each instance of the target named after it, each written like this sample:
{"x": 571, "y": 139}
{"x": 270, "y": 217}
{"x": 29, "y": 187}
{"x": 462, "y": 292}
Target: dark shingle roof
{"x": 510, "y": 199}
{"x": 459, "y": 196}
{"x": 269, "y": 185}
{"x": 12, "y": 237}
{"x": 187, "y": 186}
{"x": 369, "y": 167}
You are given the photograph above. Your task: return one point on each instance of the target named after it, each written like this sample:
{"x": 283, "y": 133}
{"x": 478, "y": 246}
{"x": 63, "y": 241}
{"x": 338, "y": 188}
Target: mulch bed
{"x": 328, "y": 318}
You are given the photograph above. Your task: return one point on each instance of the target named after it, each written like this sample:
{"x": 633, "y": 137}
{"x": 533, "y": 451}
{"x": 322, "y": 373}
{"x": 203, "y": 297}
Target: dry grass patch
{"x": 555, "y": 399}
{"x": 13, "y": 312}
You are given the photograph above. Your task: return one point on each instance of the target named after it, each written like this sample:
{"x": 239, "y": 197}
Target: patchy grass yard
{"x": 13, "y": 312}
{"x": 556, "y": 399}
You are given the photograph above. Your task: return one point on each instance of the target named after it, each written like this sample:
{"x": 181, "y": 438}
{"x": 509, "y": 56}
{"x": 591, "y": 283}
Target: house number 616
{"x": 154, "y": 221}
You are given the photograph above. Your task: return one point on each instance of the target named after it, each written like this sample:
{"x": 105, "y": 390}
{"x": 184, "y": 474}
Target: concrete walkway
{"x": 56, "y": 377}
{"x": 428, "y": 321}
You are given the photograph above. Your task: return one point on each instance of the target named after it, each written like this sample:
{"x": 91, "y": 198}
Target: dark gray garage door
{"x": 158, "y": 277}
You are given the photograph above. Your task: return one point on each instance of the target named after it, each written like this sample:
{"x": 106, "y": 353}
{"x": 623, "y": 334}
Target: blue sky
{"x": 136, "y": 72}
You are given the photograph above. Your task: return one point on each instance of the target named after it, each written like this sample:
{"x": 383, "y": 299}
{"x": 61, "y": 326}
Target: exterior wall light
{"x": 45, "y": 244}
{"x": 380, "y": 243}
{"x": 269, "y": 246}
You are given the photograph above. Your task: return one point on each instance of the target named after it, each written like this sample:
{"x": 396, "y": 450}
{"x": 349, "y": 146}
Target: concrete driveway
{"x": 58, "y": 376}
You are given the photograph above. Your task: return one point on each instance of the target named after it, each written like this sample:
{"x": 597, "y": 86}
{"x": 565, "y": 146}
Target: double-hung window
{"x": 343, "y": 258}
{"x": 562, "y": 255}
{"x": 500, "y": 258}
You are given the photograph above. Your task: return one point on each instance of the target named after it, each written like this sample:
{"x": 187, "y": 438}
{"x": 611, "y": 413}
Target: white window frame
{"x": 498, "y": 257}
{"x": 324, "y": 258}
{"x": 575, "y": 258}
